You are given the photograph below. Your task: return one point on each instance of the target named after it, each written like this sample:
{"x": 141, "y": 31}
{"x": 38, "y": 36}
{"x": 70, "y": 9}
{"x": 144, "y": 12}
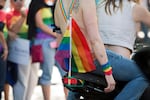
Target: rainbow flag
{"x": 81, "y": 57}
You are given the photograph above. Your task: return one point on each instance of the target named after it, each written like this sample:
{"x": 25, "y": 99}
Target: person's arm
{"x": 3, "y": 41}
{"x": 56, "y": 15}
{"x": 42, "y": 26}
{"x": 91, "y": 24}
{"x": 90, "y": 20}
{"x": 15, "y": 27}
{"x": 141, "y": 14}
{"x": 4, "y": 45}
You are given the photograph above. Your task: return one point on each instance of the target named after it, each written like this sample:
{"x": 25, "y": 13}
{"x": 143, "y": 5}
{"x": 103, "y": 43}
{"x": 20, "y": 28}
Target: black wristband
{"x": 57, "y": 30}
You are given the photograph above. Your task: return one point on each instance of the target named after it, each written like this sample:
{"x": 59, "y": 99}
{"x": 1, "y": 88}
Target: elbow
{"x": 96, "y": 42}
{"x": 93, "y": 42}
{"x": 39, "y": 25}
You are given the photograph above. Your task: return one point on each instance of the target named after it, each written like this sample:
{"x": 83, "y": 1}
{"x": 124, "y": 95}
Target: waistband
{"x": 42, "y": 35}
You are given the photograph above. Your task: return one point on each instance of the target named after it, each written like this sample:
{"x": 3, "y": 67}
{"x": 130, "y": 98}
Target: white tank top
{"x": 118, "y": 28}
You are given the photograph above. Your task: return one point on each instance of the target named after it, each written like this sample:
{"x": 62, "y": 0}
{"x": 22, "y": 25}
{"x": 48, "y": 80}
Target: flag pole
{"x": 70, "y": 31}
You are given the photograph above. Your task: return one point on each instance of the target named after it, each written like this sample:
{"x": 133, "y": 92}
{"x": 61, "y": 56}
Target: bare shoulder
{"x": 139, "y": 12}
{"x": 139, "y": 8}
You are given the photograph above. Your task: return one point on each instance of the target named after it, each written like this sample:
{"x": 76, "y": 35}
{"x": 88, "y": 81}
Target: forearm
{"x": 101, "y": 56}
{"x": 99, "y": 51}
{"x": 17, "y": 26}
{"x": 3, "y": 41}
{"x": 40, "y": 24}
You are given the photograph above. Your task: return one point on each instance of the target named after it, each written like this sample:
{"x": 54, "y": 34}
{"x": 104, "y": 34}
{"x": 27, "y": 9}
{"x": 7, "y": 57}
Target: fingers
{"x": 4, "y": 57}
{"x": 109, "y": 88}
{"x": 5, "y": 54}
{"x": 23, "y": 12}
{"x": 111, "y": 83}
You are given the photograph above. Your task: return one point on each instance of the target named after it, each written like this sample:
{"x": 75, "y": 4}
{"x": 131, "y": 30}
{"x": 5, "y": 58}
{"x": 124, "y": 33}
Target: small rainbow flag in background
{"x": 81, "y": 57}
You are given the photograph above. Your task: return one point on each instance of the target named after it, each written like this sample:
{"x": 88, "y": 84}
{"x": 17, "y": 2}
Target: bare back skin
{"x": 120, "y": 50}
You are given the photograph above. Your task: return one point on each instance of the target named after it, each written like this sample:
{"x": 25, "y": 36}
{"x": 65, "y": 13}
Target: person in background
{"x": 3, "y": 46}
{"x": 27, "y": 74}
{"x": 40, "y": 21}
{"x": 120, "y": 33}
{"x": 145, "y": 29}
{"x": 121, "y": 67}
{"x": 113, "y": 34}
{"x": 146, "y": 4}
{"x": 61, "y": 71}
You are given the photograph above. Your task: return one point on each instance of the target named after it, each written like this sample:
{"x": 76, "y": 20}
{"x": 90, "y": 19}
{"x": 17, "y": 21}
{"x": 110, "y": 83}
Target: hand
{"x": 5, "y": 54}
{"x": 12, "y": 35}
{"x": 111, "y": 83}
{"x": 23, "y": 12}
{"x": 59, "y": 38}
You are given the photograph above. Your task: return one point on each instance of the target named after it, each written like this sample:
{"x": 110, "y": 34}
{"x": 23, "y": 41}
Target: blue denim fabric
{"x": 2, "y": 73}
{"x": 61, "y": 71}
{"x": 12, "y": 73}
{"x": 125, "y": 70}
{"x": 49, "y": 61}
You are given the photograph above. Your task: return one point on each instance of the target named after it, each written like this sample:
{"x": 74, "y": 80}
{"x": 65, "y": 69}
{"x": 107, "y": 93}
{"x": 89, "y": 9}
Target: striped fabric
{"x": 47, "y": 18}
{"x": 66, "y": 15}
{"x": 12, "y": 17}
{"x": 81, "y": 57}
{"x": 5, "y": 32}
{"x": 3, "y": 19}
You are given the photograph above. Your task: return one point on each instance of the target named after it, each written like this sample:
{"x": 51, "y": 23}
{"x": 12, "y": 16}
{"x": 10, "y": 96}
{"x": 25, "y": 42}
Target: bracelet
{"x": 107, "y": 69}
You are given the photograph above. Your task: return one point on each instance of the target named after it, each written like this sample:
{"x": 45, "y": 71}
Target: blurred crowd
{"x": 31, "y": 26}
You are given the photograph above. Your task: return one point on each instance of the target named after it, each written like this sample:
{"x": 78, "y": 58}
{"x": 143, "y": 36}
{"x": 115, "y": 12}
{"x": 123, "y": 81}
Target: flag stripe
{"x": 81, "y": 52}
{"x": 66, "y": 40}
{"x": 84, "y": 50}
{"x": 81, "y": 60}
{"x": 64, "y": 47}
{"x": 74, "y": 66}
{"x": 77, "y": 58}
{"x": 67, "y": 33}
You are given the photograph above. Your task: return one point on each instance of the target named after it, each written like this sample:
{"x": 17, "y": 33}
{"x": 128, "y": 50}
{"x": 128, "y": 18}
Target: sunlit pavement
{"x": 56, "y": 89}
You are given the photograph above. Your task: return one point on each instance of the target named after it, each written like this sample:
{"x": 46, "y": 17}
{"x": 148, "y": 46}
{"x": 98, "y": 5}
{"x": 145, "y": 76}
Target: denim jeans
{"x": 124, "y": 70}
{"x": 61, "y": 71}
{"x": 2, "y": 73}
{"x": 49, "y": 61}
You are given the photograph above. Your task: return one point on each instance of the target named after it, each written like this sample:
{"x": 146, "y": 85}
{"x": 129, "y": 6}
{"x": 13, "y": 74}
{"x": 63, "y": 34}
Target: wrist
{"x": 108, "y": 73}
{"x": 55, "y": 34}
{"x": 5, "y": 49}
{"x": 23, "y": 17}
{"x": 107, "y": 69}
